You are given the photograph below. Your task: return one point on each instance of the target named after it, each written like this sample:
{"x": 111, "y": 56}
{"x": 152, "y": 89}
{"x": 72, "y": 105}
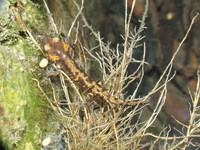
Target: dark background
{"x": 167, "y": 23}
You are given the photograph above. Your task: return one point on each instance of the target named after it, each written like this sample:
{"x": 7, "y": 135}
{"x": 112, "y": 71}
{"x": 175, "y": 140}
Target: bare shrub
{"x": 90, "y": 126}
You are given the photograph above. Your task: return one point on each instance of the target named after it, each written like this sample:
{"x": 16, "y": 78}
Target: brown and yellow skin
{"x": 56, "y": 50}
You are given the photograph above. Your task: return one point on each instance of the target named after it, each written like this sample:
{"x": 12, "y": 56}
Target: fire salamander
{"x": 57, "y": 51}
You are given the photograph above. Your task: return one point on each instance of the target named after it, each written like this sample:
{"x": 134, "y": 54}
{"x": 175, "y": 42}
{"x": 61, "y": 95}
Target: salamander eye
{"x": 64, "y": 56}
{"x": 58, "y": 52}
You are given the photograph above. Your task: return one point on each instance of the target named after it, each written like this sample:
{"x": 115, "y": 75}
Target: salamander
{"x": 57, "y": 50}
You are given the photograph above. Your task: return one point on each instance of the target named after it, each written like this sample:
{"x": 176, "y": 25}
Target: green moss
{"x": 37, "y": 22}
{"x": 23, "y": 122}
{"x": 19, "y": 94}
